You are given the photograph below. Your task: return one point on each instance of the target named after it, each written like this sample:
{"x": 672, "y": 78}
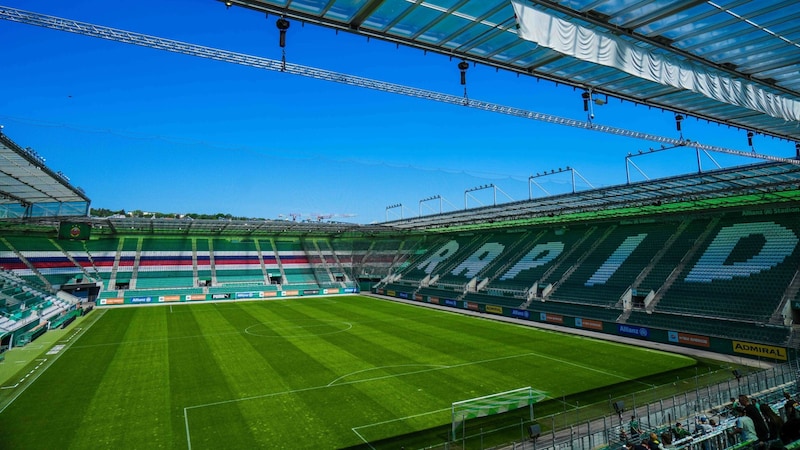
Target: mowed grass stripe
{"x": 197, "y": 376}
{"x": 395, "y": 350}
{"x": 378, "y": 369}
{"x": 307, "y": 379}
{"x": 426, "y": 362}
{"x": 245, "y": 373}
{"x": 489, "y": 340}
{"x": 601, "y": 358}
{"x": 406, "y": 383}
{"x": 290, "y": 415}
{"x": 44, "y": 404}
{"x": 131, "y": 404}
{"x": 320, "y": 421}
{"x": 356, "y": 350}
{"x": 310, "y": 415}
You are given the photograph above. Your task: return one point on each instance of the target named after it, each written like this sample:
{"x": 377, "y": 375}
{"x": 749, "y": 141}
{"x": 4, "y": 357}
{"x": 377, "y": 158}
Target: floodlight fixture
{"x": 396, "y": 205}
{"x": 573, "y": 172}
{"x": 228, "y": 4}
{"x": 479, "y": 188}
{"x": 433, "y": 197}
{"x": 678, "y": 120}
{"x": 282, "y": 25}
{"x": 462, "y": 67}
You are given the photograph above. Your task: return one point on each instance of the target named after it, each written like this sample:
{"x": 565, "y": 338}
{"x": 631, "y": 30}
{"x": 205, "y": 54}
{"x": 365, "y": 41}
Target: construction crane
{"x": 129, "y": 37}
{"x": 321, "y": 217}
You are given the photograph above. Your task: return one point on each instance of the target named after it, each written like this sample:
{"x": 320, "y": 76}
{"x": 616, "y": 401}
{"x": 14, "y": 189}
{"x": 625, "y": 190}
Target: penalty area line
{"x": 188, "y": 436}
{"x": 399, "y": 419}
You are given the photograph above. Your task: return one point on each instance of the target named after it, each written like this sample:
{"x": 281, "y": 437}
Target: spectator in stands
{"x": 774, "y": 421}
{"x": 762, "y": 431}
{"x": 623, "y": 436}
{"x": 790, "y": 407}
{"x": 634, "y": 427}
{"x": 730, "y": 410}
{"x": 654, "y": 443}
{"x": 745, "y": 426}
{"x": 640, "y": 446}
{"x": 679, "y": 431}
{"x": 790, "y": 431}
{"x": 703, "y": 427}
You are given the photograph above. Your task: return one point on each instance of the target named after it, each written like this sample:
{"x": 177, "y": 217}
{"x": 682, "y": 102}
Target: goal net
{"x": 493, "y": 404}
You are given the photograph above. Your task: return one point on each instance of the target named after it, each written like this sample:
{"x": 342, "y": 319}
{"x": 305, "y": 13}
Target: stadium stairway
{"x": 678, "y": 269}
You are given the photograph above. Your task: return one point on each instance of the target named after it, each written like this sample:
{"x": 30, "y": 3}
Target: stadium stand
{"x": 205, "y": 271}
{"x": 727, "y": 271}
{"x": 237, "y": 261}
{"x": 124, "y": 262}
{"x": 740, "y": 272}
{"x": 679, "y": 272}
{"x": 713, "y": 253}
{"x": 609, "y": 269}
{"x": 165, "y": 263}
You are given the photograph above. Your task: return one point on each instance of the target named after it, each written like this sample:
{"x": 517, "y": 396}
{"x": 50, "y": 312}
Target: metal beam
{"x": 128, "y": 37}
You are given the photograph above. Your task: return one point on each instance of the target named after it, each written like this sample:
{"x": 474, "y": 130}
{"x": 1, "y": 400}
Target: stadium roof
{"x": 771, "y": 182}
{"x": 29, "y": 189}
{"x": 236, "y": 228}
{"x": 753, "y": 45}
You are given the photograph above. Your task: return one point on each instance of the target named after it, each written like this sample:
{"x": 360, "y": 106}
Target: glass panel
{"x": 386, "y": 14}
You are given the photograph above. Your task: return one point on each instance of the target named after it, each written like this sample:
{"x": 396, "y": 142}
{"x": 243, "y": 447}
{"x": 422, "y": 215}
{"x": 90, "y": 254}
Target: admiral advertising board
{"x": 760, "y": 350}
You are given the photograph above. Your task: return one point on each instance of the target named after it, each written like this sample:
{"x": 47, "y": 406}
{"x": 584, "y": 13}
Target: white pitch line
{"x": 362, "y": 438}
{"x": 188, "y": 436}
{"x": 437, "y": 366}
{"x": 329, "y": 385}
{"x": 195, "y": 336}
{"x": 39, "y": 373}
{"x": 413, "y": 416}
{"x": 454, "y": 366}
{"x": 354, "y": 429}
{"x": 300, "y": 327}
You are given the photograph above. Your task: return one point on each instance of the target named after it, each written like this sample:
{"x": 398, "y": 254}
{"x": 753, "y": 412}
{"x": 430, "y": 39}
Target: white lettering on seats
{"x": 780, "y": 243}
{"x": 616, "y": 259}
{"x": 480, "y": 259}
{"x": 539, "y": 255}
{"x": 446, "y": 251}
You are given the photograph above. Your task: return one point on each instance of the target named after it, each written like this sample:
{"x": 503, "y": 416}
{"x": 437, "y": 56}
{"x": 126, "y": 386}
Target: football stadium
{"x": 656, "y": 313}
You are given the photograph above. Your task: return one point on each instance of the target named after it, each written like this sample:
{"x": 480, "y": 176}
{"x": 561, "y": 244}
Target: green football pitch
{"x": 316, "y": 373}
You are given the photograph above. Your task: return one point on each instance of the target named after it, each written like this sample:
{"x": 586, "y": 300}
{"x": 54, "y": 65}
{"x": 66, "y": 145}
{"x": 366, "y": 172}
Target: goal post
{"x": 494, "y": 404}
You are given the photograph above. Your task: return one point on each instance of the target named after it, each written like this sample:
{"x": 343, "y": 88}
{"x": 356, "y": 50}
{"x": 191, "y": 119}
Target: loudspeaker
{"x": 534, "y": 431}
{"x": 619, "y": 407}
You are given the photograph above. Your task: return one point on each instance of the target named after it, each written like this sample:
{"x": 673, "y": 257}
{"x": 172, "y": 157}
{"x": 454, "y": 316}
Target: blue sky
{"x": 145, "y": 129}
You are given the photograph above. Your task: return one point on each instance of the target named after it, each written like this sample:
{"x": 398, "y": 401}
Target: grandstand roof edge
{"x": 766, "y": 179}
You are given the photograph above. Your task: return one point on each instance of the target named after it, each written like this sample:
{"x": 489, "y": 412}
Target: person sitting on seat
{"x": 679, "y": 431}
{"x": 634, "y": 427}
{"x": 654, "y": 443}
